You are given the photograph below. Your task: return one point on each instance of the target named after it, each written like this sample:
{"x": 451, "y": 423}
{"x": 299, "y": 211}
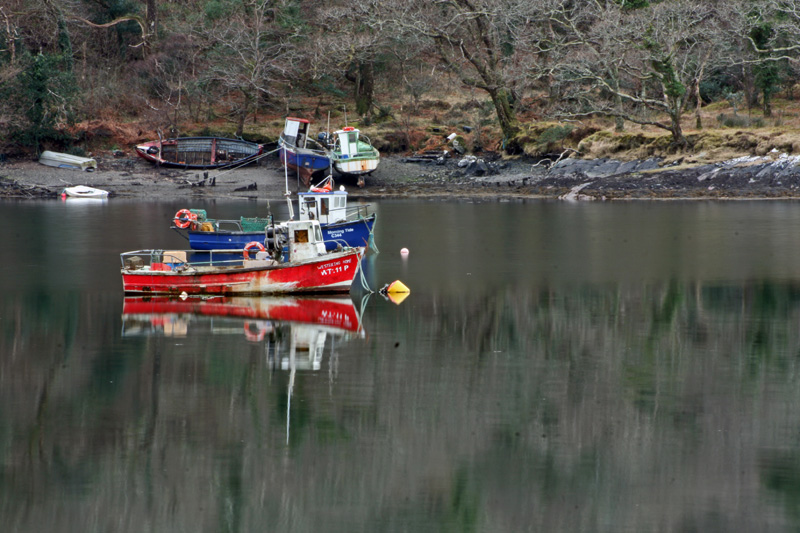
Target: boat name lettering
{"x": 334, "y": 267}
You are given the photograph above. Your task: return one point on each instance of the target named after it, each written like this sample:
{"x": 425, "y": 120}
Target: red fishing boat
{"x": 294, "y": 260}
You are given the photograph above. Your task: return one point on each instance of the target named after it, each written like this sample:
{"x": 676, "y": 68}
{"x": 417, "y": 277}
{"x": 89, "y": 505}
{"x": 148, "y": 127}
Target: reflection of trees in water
{"x": 565, "y": 408}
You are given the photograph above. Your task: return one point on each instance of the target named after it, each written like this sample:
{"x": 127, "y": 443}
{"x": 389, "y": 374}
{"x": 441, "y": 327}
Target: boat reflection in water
{"x": 296, "y": 328}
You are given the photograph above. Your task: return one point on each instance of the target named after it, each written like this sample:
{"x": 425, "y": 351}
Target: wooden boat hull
{"x": 333, "y": 312}
{"x": 352, "y": 233}
{"x": 330, "y": 273}
{"x": 199, "y": 152}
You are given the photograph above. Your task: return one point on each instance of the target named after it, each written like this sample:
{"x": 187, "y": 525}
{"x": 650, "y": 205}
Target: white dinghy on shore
{"x": 82, "y": 191}
{"x": 58, "y": 160}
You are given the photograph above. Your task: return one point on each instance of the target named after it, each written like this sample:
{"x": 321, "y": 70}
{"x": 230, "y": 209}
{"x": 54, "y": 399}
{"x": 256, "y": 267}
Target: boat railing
{"x": 357, "y": 212}
{"x": 163, "y": 260}
{"x": 341, "y": 244}
{"x": 244, "y": 224}
{"x": 318, "y": 148}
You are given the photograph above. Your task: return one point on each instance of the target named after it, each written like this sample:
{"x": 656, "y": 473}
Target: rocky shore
{"x": 772, "y": 176}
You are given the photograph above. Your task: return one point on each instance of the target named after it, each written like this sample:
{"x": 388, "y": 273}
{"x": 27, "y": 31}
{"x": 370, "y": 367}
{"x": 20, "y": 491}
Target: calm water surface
{"x": 556, "y": 367}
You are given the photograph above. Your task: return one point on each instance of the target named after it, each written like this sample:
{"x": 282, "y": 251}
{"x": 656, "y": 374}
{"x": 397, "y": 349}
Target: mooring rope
{"x": 234, "y": 166}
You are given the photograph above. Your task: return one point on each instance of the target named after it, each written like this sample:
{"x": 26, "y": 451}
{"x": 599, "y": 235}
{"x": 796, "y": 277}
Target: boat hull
{"x": 356, "y": 167}
{"x": 199, "y": 152}
{"x": 327, "y": 274}
{"x": 304, "y": 161}
{"x": 81, "y": 191}
{"x": 353, "y": 233}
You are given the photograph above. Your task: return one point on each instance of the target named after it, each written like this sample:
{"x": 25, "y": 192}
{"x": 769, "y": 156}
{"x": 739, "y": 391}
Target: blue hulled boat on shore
{"x": 302, "y": 155}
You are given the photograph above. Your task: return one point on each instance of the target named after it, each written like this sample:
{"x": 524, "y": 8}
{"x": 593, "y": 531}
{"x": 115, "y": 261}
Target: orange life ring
{"x": 325, "y": 188}
{"x": 184, "y": 218}
{"x": 250, "y": 245}
{"x": 258, "y": 334}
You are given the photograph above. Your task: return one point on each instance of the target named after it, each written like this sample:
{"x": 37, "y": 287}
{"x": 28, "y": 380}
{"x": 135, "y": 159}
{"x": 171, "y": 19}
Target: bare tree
{"x": 246, "y": 52}
{"x": 634, "y": 64}
{"x": 485, "y": 43}
{"x": 349, "y": 48}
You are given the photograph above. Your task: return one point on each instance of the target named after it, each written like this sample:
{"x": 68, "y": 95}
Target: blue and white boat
{"x": 306, "y": 157}
{"x": 341, "y": 224}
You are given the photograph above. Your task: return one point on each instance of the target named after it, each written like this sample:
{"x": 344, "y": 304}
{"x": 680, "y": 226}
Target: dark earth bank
{"x": 431, "y": 175}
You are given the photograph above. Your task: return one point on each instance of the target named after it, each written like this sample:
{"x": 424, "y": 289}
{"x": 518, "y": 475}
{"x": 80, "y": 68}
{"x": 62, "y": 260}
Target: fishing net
{"x": 254, "y": 223}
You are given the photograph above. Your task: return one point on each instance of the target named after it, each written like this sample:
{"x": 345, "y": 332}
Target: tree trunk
{"x": 619, "y": 123}
{"x": 243, "y": 112}
{"x": 151, "y": 18}
{"x": 363, "y": 77}
{"x": 698, "y": 120}
{"x": 506, "y": 118}
{"x": 676, "y": 130}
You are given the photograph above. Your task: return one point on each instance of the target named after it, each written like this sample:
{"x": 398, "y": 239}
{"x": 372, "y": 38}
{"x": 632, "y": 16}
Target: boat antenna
{"x": 345, "y": 114}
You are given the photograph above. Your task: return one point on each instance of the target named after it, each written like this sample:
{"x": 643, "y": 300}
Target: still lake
{"x": 556, "y": 367}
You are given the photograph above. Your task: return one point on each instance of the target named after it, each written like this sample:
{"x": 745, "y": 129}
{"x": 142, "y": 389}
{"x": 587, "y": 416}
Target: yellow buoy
{"x": 397, "y": 297}
{"x": 397, "y": 287}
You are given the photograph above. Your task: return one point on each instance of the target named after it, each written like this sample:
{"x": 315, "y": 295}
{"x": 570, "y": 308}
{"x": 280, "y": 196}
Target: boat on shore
{"x": 351, "y": 153}
{"x": 302, "y": 155}
{"x": 347, "y": 151}
{"x": 82, "y": 191}
{"x": 341, "y": 225}
{"x": 199, "y": 152}
{"x": 294, "y": 260}
{"x": 74, "y": 162}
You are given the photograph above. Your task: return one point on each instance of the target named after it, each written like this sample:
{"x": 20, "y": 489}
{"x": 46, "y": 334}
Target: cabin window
{"x": 324, "y": 207}
{"x": 301, "y": 235}
{"x": 340, "y": 201}
{"x": 318, "y": 233}
{"x": 309, "y": 207}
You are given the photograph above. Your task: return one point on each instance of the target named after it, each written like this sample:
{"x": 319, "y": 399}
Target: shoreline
{"x": 397, "y": 177}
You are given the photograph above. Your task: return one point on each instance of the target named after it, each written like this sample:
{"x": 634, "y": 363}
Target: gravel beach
{"x": 128, "y": 176}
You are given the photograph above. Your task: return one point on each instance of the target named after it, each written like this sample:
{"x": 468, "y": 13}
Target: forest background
{"x": 630, "y": 78}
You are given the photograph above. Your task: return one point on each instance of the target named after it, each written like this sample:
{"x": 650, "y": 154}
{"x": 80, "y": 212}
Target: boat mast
{"x": 330, "y": 146}
{"x": 287, "y": 193}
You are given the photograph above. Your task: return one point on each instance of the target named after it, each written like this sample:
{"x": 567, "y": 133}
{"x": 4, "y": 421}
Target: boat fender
{"x": 325, "y": 188}
{"x": 184, "y": 218}
{"x": 250, "y": 245}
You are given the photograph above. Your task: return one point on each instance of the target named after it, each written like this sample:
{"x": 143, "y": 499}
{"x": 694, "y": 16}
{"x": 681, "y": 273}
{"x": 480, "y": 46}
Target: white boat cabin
{"x": 305, "y": 239}
{"x": 295, "y": 132}
{"x": 346, "y": 142}
{"x": 326, "y": 207}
